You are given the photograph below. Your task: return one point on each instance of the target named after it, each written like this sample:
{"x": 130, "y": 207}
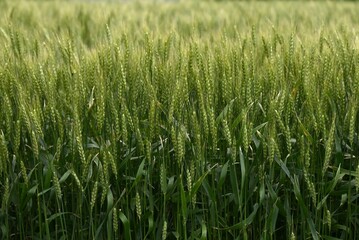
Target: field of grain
{"x": 179, "y": 120}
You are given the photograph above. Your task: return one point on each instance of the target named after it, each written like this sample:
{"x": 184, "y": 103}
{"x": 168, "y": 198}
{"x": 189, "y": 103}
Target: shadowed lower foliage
{"x": 187, "y": 121}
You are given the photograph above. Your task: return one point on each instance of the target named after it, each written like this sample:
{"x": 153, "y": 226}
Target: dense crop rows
{"x": 189, "y": 121}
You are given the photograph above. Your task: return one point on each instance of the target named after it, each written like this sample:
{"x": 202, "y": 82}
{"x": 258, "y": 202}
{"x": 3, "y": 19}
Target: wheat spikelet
{"x": 210, "y": 83}
{"x": 8, "y": 113}
{"x": 56, "y": 183}
{"x": 249, "y": 132}
{"x": 36, "y": 123}
{"x": 115, "y": 220}
{"x": 180, "y": 148}
{"x": 163, "y": 178}
{"x": 58, "y": 151}
{"x": 204, "y": 123}
{"x": 227, "y": 132}
{"x": 287, "y": 139}
{"x": 196, "y": 132}
{"x": 207, "y": 82}
{"x": 108, "y": 35}
{"x": 81, "y": 152}
{"x": 140, "y": 139}
{"x": 77, "y": 181}
{"x": 164, "y": 230}
{"x": 352, "y": 121}
{"x": 112, "y": 162}
{"x": 174, "y": 139}
{"x": 302, "y": 151}
{"x": 6, "y": 195}
{"x": 42, "y": 78}
{"x": 127, "y": 51}
{"x": 321, "y": 41}
{"x": 329, "y": 147}
{"x": 184, "y": 93}
{"x": 189, "y": 180}
{"x": 80, "y": 149}
{"x": 4, "y": 154}
{"x": 357, "y": 178}
{"x": 124, "y": 128}
{"x": 34, "y": 144}
{"x": 52, "y": 115}
{"x": 71, "y": 54}
{"x": 81, "y": 78}
{"x": 192, "y": 173}
{"x": 307, "y": 158}
{"x": 225, "y": 88}
{"x": 138, "y": 206}
{"x": 213, "y": 128}
{"x": 25, "y": 118}
{"x": 123, "y": 83}
{"x": 315, "y": 123}
{"x": 202, "y": 108}
{"x": 109, "y": 130}
{"x": 24, "y": 173}
{"x": 149, "y": 51}
{"x": 311, "y": 187}
{"x": 15, "y": 89}
{"x": 249, "y": 89}
{"x": 356, "y": 80}
{"x": 234, "y": 151}
{"x": 254, "y": 36}
{"x": 17, "y": 135}
{"x": 151, "y": 119}
{"x": 15, "y": 43}
{"x": 328, "y": 217}
{"x": 245, "y": 136}
{"x": 60, "y": 125}
{"x": 36, "y": 80}
{"x": 171, "y": 109}
{"x": 100, "y": 117}
{"x": 291, "y": 48}
{"x": 128, "y": 119}
{"x": 105, "y": 163}
{"x": 93, "y": 196}
{"x": 277, "y": 150}
{"x": 148, "y": 150}
{"x": 116, "y": 124}
{"x": 271, "y": 150}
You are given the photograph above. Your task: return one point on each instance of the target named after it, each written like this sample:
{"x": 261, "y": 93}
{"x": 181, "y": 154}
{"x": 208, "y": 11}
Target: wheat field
{"x": 179, "y": 120}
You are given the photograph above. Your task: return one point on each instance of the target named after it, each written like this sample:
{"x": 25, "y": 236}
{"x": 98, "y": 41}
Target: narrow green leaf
{"x": 140, "y": 169}
{"x": 338, "y": 176}
{"x": 109, "y": 215}
{"x": 283, "y": 166}
{"x": 183, "y": 200}
{"x": 243, "y": 224}
{"x": 330, "y": 238}
{"x": 56, "y": 215}
{"x": 303, "y": 208}
{"x": 204, "y": 231}
{"x": 223, "y": 175}
{"x": 65, "y": 176}
{"x": 322, "y": 202}
{"x": 224, "y": 112}
{"x": 126, "y": 225}
{"x": 234, "y": 184}
{"x": 273, "y": 218}
{"x": 198, "y": 183}
{"x": 243, "y": 168}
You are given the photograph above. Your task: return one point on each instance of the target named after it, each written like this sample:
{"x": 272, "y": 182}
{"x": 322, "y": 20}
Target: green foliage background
{"x": 190, "y": 120}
